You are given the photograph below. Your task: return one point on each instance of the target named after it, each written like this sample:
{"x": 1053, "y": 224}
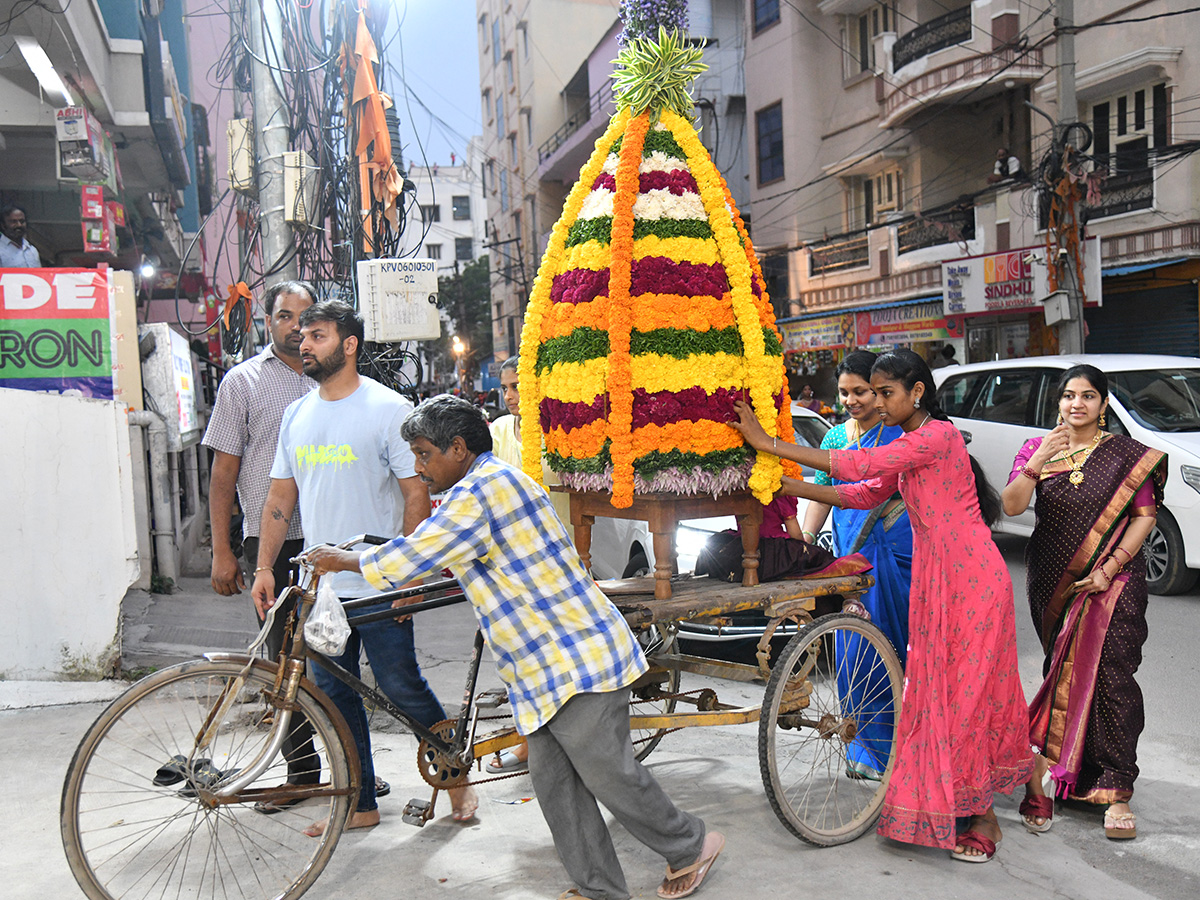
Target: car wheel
{"x": 1166, "y": 570}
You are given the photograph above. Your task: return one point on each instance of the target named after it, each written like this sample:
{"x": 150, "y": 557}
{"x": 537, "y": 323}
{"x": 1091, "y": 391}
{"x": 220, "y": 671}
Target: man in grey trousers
{"x": 564, "y": 651}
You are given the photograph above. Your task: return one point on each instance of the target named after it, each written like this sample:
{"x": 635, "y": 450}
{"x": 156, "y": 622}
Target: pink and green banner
{"x": 56, "y": 331}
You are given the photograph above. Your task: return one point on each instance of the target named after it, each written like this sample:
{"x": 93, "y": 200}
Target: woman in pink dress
{"x": 963, "y": 729}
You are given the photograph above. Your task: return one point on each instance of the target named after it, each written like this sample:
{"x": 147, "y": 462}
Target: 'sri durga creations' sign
{"x": 56, "y": 331}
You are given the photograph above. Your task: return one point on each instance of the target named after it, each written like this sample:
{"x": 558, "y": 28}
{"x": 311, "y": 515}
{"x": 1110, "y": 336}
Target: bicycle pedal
{"x": 491, "y": 699}
{"x": 416, "y": 812}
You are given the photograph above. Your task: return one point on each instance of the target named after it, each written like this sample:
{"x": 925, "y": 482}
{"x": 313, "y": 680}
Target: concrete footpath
{"x": 507, "y": 851}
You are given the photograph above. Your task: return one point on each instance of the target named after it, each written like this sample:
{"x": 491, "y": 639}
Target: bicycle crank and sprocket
{"x": 437, "y": 770}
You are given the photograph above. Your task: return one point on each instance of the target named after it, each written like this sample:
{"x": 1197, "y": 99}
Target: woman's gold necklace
{"x": 1078, "y": 458}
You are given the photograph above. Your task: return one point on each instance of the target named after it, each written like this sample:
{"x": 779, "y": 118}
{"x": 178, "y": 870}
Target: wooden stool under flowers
{"x": 663, "y": 513}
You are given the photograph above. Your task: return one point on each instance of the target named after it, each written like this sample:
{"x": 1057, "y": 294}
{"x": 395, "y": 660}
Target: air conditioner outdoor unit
{"x": 398, "y": 299}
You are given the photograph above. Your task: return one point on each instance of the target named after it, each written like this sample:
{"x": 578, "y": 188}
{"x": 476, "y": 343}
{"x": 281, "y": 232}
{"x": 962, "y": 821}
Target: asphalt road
{"x": 507, "y": 852}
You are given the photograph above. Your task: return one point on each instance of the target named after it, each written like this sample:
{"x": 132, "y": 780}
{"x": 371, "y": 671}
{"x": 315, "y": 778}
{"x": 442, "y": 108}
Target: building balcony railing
{"x": 1124, "y": 193}
{"x": 941, "y": 226}
{"x": 936, "y": 34}
{"x": 847, "y": 252}
{"x": 1016, "y": 64}
{"x": 597, "y": 103}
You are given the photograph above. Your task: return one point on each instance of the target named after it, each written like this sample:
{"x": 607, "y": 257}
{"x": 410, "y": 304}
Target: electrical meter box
{"x": 241, "y": 157}
{"x": 169, "y": 381}
{"x": 299, "y": 187}
{"x": 398, "y": 299}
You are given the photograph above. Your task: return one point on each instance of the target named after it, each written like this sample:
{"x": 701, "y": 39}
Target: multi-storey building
{"x": 528, "y": 52}
{"x": 448, "y": 225}
{"x": 876, "y": 130}
{"x": 545, "y": 74}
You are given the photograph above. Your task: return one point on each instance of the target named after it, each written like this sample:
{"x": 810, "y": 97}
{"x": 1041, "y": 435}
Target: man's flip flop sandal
{"x": 175, "y": 770}
{"x": 506, "y": 762}
{"x": 204, "y": 777}
{"x": 699, "y": 868}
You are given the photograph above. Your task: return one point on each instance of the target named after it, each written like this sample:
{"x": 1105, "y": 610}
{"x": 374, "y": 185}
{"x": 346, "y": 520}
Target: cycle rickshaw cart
{"x": 159, "y": 799}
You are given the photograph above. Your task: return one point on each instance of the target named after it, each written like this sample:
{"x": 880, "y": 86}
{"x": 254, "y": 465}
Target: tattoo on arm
{"x": 276, "y": 514}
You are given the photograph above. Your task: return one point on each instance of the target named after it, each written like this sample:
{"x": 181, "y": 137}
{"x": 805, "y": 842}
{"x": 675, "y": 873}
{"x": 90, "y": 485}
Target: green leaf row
{"x": 584, "y": 344}
{"x": 600, "y": 229}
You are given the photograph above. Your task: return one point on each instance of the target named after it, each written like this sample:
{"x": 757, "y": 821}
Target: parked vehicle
{"x": 1153, "y": 399}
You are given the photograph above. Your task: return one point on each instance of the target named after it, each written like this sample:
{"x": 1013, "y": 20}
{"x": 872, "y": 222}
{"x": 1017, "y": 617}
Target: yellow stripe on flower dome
{"x": 574, "y": 382}
{"x": 578, "y": 443}
{"x": 591, "y": 255}
{"x": 654, "y": 372}
{"x": 563, "y": 318}
{"x": 532, "y": 388}
{"x": 766, "y": 472}
{"x": 702, "y": 251}
{"x": 701, "y": 437}
{"x": 620, "y": 321}
{"x": 766, "y": 316}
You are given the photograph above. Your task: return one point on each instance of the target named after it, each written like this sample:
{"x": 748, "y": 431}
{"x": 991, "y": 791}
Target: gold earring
{"x": 1103, "y": 421}
{"x": 1060, "y": 418}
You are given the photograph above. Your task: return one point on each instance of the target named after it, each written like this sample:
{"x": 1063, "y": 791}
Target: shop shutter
{"x": 1164, "y": 320}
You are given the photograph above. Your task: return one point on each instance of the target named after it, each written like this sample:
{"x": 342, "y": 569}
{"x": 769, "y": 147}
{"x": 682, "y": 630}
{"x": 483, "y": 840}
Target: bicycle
{"x": 160, "y": 796}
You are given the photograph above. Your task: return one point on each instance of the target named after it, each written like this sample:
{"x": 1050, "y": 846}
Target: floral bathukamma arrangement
{"x": 649, "y": 316}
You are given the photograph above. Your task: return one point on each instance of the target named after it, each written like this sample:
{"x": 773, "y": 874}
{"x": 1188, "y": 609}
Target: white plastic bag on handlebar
{"x": 327, "y": 629}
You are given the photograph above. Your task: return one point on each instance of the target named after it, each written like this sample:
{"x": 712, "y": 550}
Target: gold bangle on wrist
{"x": 264, "y": 569}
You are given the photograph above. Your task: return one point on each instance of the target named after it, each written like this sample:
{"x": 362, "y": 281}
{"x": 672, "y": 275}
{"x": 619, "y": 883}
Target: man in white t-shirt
{"x": 340, "y": 457}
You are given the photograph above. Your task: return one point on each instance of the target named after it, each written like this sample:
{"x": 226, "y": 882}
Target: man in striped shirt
{"x": 564, "y": 651}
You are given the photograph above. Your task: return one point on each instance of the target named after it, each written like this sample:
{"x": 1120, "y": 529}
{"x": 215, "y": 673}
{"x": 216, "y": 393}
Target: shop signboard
{"x": 1013, "y": 281}
{"x": 822, "y": 333}
{"x": 56, "y": 331}
{"x": 911, "y": 324}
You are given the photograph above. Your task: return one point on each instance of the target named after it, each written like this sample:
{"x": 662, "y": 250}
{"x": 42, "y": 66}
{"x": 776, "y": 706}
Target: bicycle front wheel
{"x": 828, "y": 728}
{"x": 133, "y": 818}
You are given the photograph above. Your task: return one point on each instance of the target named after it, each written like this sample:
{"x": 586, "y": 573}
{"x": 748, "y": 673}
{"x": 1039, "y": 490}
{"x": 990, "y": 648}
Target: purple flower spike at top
{"x": 642, "y": 18}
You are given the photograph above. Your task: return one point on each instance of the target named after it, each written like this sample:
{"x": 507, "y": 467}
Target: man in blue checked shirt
{"x": 564, "y": 651}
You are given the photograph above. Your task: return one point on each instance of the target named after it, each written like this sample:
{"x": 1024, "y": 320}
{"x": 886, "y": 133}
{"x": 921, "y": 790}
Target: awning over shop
{"x": 1114, "y": 271}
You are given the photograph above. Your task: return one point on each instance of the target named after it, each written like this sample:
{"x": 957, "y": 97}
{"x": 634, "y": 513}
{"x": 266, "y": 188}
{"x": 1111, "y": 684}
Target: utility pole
{"x": 1070, "y": 331}
{"x": 270, "y": 138}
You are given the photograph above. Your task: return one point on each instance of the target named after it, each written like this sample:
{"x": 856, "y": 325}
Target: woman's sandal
{"x": 975, "y": 841}
{"x": 1035, "y": 807}
{"x": 1113, "y": 831}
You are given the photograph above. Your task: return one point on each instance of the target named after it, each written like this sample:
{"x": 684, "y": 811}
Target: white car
{"x": 1153, "y": 399}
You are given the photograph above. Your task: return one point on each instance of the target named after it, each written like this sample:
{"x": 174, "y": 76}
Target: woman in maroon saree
{"x": 1097, "y": 500}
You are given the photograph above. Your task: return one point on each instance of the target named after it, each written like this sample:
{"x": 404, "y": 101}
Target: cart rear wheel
{"x": 827, "y": 732}
{"x": 657, "y": 699}
{"x": 128, "y": 838}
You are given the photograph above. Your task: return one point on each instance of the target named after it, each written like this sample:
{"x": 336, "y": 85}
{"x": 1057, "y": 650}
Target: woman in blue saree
{"x": 884, "y": 536}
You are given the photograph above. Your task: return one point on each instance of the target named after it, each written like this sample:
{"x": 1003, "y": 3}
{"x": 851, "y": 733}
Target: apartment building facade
{"x": 881, "y": 135}
{"x": 545, "y": 73}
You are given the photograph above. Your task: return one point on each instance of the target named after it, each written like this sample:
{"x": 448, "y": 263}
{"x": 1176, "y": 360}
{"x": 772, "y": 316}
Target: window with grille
{"x": 461, "y": 206}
